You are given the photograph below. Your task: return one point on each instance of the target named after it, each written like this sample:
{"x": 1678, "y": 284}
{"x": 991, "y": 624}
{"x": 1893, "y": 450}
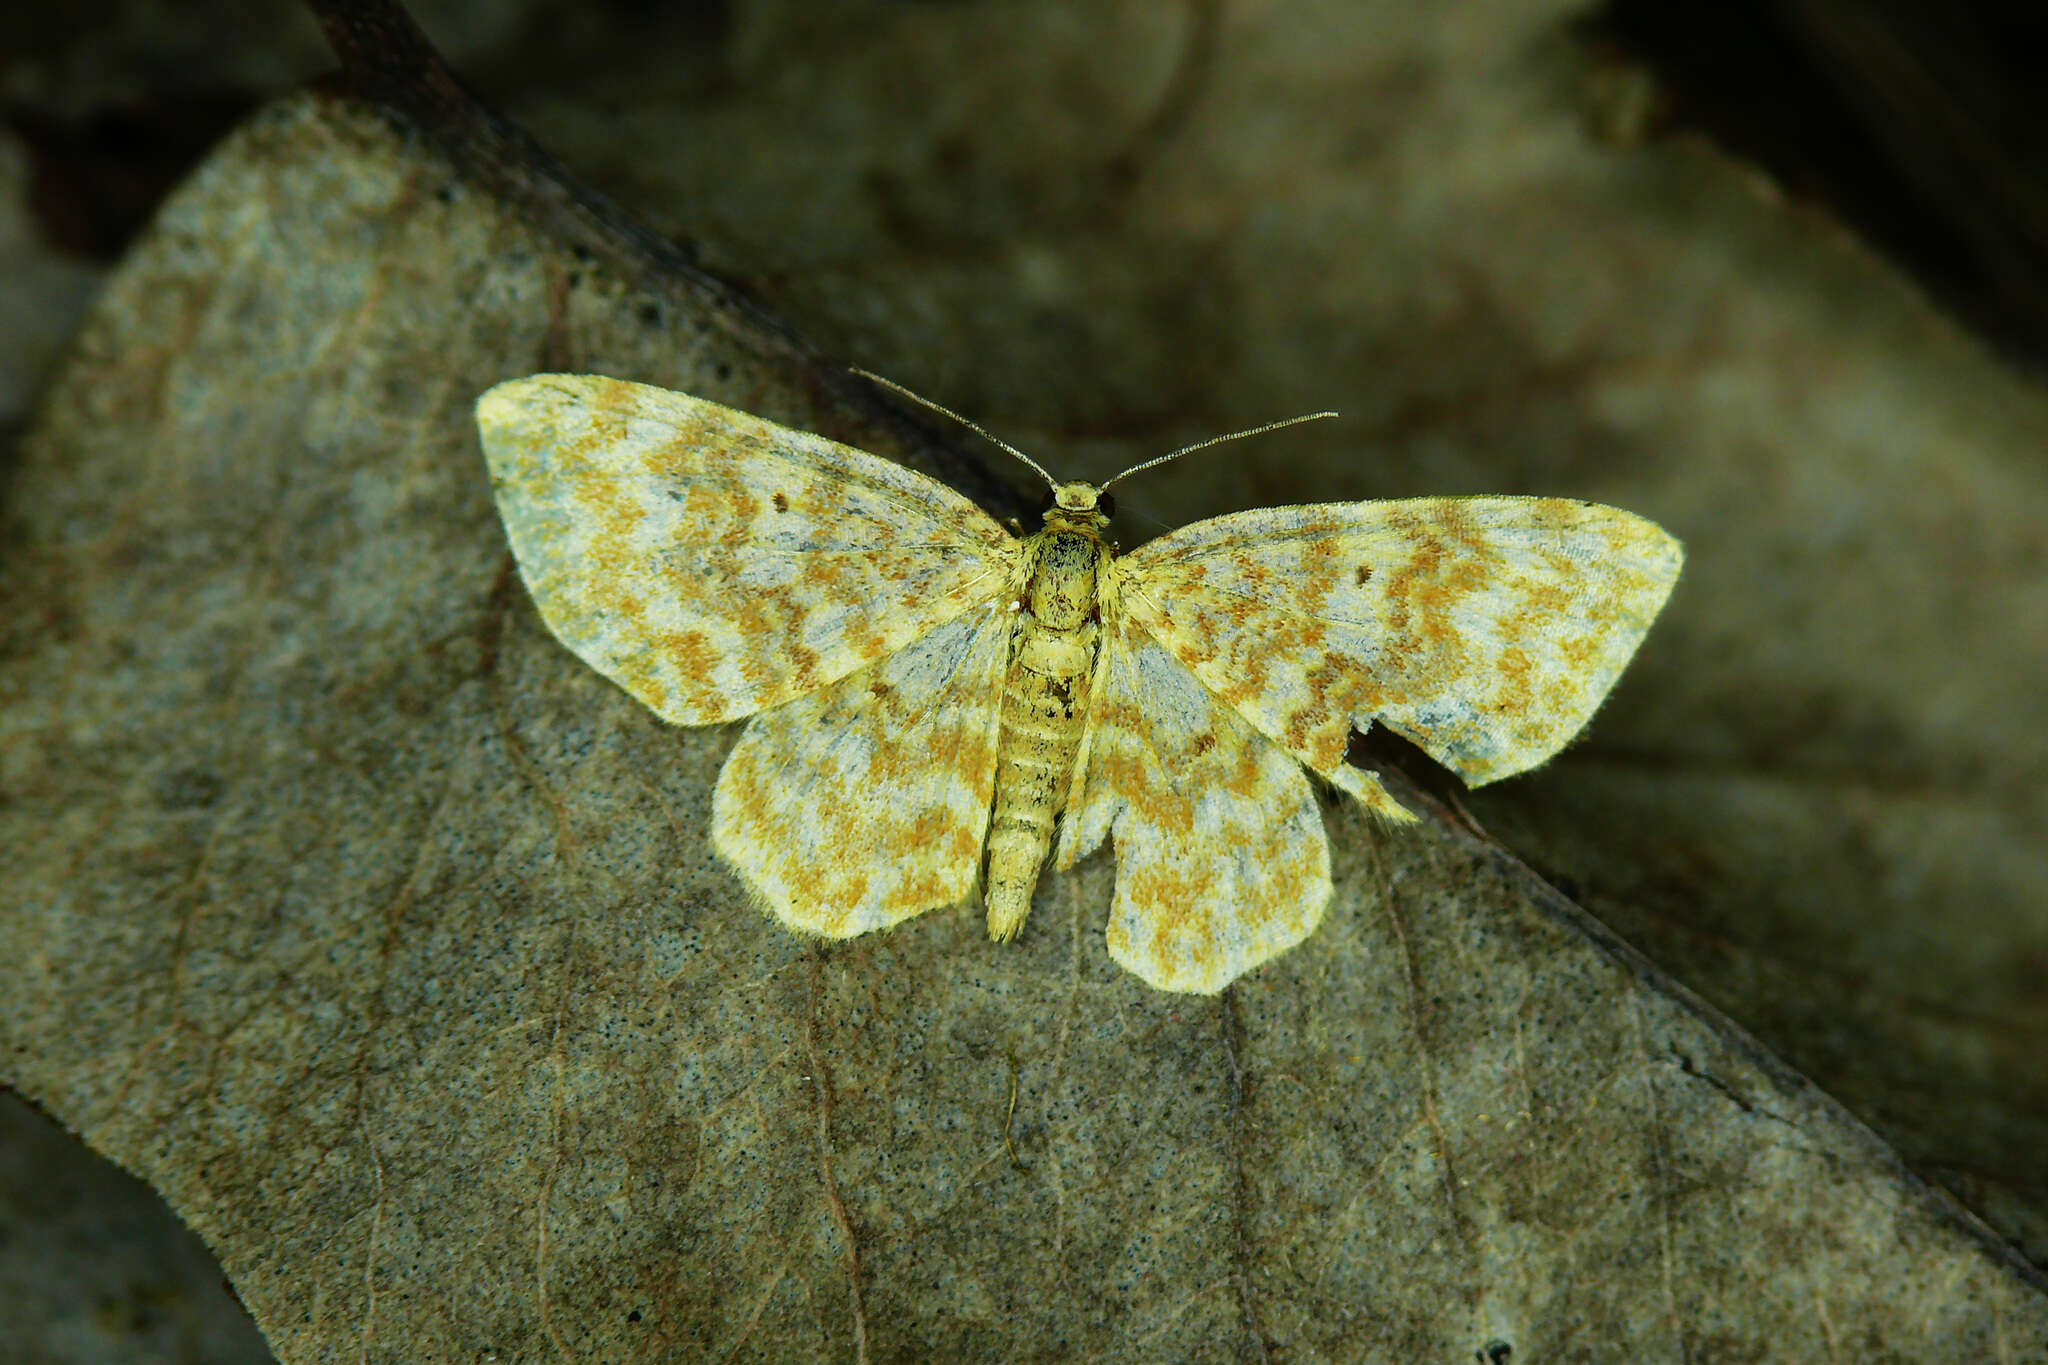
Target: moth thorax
{"x": 1062, "y": 589}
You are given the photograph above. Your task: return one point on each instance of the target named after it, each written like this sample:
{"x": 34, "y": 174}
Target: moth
{"x": 938, "y": 704}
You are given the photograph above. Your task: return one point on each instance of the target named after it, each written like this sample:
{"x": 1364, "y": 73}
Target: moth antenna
{"x": 975, "y": 427}
{"x": 1218, "y": 440}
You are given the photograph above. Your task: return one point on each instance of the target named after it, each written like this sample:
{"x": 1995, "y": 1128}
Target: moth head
{"x": 1079, "y": 497}
{"x": 1078, "y": 505}
{"x": 1076, "y": 497}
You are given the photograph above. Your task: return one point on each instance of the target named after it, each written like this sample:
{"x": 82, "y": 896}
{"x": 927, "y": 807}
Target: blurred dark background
{"x": 1921, "y": 127}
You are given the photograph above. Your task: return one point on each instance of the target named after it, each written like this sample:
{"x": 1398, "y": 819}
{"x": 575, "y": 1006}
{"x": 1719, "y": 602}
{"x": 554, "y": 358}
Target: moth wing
{"x": 712, "y": 563}
{"x": 1221, "y": 860}
{"x": 1486, "y": 630}
{"x": 867, "y": 801}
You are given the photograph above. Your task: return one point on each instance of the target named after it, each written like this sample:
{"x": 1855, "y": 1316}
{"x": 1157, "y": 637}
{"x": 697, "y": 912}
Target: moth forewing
{"x": 713, "y": 563}
{"x": 1485, "y": 629}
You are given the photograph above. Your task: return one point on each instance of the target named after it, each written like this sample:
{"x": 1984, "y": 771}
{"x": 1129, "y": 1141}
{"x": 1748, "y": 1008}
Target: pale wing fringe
{"x": 866, "y": 802}
{"x": 1487, "y": 630}
{"x": 1221, "y": 860}
{"x": 713, "y": 563}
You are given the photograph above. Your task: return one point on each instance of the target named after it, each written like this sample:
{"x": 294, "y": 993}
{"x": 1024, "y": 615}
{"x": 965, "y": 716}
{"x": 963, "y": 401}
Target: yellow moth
{"x": 938, "y": 704}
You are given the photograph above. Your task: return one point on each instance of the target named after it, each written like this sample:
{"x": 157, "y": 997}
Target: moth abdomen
{"x": 1045, "y": 711}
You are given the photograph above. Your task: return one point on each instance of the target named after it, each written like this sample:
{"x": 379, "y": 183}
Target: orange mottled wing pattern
{"x": 1486, "y": 630}
{"x": 866, "y": 802}
{"x": 716, "y": 565}
{"x": 712, "y": 563}
{"x": 1221, "y": 860}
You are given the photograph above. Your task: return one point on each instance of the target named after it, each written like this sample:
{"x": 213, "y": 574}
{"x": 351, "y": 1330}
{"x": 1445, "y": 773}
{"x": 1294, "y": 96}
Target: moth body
{"x": 1054, "y": 646}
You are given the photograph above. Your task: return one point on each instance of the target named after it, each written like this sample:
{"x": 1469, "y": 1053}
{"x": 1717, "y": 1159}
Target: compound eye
{"x": 1048, "y": 502}
{"x": 1106, "y": 504}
